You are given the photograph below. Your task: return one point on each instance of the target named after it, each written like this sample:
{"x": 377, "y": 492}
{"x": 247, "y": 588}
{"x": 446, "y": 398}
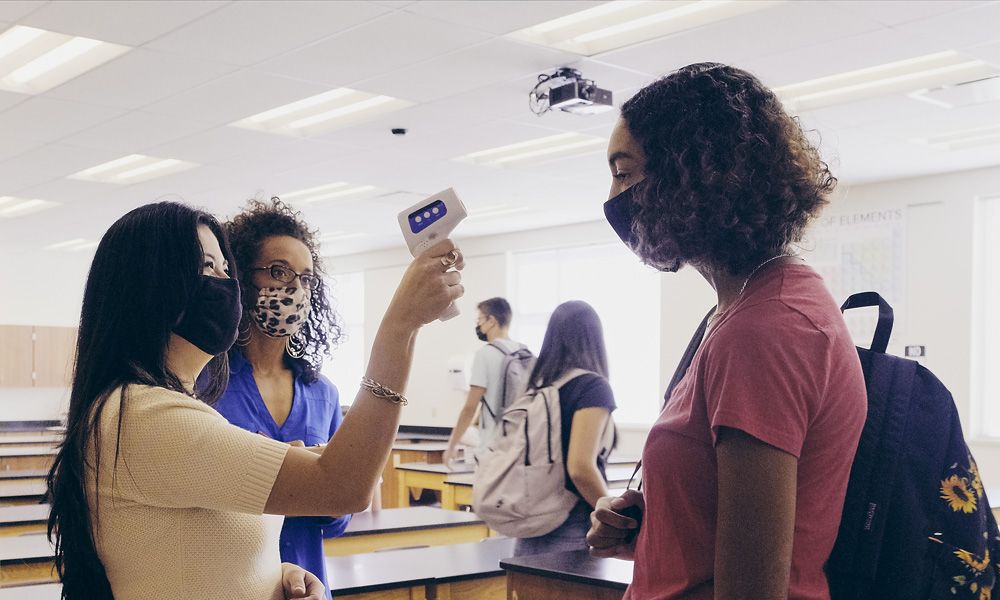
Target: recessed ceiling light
{"x": 35, "y": 60}
{"x": 324, "y": 112}
{"x": 74, "y": 245}
{"x": 496, "y": 212}
{"x": 340, "y": 190}
{"x": 618, "y": 24}
{"x": 904, "y": 76}
{"x": 133, "y": 169}
{"x": 16, "y": 207}
{"x": 966, "y": 138}
{"x": 537, "y": 150}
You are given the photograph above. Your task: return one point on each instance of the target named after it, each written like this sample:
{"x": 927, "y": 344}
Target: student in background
{"x": 487, "y": 375}
{"x": 154, "y": 494}
{"x": 287, "y": 327}
{"x": 746, "y": 469}
{"x": 574, "y": 339}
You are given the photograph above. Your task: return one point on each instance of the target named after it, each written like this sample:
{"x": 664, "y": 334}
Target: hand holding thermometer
{"x": 430, "y": 221}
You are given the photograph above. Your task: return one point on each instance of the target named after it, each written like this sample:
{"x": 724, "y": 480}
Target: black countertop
{"x": 577, "y": 566}
{"x": 408, "y": 519}
{"x": 417, "y": 566}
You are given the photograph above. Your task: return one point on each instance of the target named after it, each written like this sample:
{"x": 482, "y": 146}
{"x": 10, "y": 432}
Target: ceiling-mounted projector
{"x": 568, "y": 91}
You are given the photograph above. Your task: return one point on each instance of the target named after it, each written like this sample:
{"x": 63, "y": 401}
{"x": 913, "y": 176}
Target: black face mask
{"x": 621, "y": 212}
{"x": 479, "y": 334}
{"x": 212, "y": 318}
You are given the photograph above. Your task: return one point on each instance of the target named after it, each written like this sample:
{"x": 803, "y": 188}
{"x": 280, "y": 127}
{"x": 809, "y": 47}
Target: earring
{"x": 244, "y": 335}
{"x": 295, "y": 345}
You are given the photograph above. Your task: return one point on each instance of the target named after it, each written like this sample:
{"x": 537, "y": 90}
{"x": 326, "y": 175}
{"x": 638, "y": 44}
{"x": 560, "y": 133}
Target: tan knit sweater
{"x": 181, "y": 516}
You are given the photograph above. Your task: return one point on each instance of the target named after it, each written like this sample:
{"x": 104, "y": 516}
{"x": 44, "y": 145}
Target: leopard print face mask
{"x": 281, "y": 312}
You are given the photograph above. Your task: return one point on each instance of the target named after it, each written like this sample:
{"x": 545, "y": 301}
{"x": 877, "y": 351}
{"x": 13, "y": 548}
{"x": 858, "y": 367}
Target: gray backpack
{"x": 517, "y": 366}
{"x": 519, "y": 488}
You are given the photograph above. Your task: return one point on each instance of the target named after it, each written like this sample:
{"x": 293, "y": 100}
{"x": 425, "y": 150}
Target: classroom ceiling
{"x": 193, "y": 69}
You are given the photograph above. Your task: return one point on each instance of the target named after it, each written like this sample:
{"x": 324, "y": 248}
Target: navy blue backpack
{"x": 916, "y": 522}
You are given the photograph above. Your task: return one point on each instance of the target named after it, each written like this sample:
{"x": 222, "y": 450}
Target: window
{"x": 624, "y": 293}
{"x": 346, "y": 365}
{"x": 986, "y": 323}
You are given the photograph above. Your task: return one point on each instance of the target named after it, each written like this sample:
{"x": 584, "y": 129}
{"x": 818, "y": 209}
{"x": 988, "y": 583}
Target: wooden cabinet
{"x": 16, "y": 356}
{"x": 54, "y": 350}
{"x": 36, "y": 356}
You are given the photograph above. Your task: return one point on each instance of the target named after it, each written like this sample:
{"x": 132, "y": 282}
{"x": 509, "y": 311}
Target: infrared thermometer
{"x": 430, "y": 221}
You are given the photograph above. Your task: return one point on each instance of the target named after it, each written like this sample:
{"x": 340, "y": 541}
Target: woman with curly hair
{"x": 287, "y": 327}
{"x": 746, "y": 468}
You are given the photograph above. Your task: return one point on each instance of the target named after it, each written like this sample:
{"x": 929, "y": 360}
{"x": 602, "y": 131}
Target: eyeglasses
{"x": 286, "y": 275}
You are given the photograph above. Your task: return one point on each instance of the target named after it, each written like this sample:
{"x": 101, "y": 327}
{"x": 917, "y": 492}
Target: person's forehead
{"x": 286, "y": 249}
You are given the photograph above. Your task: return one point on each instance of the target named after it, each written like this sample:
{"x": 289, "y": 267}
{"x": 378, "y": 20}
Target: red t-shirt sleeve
{"x": 764, "y": 373}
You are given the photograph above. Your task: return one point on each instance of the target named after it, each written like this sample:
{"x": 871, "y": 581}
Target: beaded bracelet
{"x": 380, "y": 391}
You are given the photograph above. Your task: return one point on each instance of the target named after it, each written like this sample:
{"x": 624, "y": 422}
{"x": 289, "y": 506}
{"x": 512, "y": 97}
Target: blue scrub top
{"x": 315, "y": 415}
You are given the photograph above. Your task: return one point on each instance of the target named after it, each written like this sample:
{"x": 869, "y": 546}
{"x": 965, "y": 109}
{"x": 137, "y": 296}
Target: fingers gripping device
{"x": 430, "y": 221}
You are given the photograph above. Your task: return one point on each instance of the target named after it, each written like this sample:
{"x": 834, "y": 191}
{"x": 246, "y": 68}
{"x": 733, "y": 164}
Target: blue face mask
{"x": 621, "y": 212}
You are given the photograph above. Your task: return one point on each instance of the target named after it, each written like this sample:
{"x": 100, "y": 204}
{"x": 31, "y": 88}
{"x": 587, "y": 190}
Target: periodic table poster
{"x": 858, "y": 252}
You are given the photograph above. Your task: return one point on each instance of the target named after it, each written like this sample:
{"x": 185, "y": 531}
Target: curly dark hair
{"x": 730, "y": 178}
{"x": 247, "y": 231}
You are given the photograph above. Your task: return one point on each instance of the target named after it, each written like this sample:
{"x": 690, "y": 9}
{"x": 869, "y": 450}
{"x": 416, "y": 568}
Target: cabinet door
{"x": 53, "y": 356}
{"x": 16, "y": 356}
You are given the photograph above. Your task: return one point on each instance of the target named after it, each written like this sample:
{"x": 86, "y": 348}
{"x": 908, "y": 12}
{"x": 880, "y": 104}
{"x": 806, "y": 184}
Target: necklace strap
{"x": 717, "y": 315}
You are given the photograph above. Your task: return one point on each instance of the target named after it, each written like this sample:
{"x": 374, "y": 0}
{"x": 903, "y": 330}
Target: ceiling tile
{"x": 14, "y": 178}
{"x": 12, "y": 11}
{"x": 139, "y": 78}
{"x": 9, "y": 99}
{"x": 69, "y": 191}
{"x": 263, "y": 164}
{"x": 135, "y": 132}
{"x": 129, "y": 23}
{"x": 219, "y": 144}
{"x": 395, "y": 40}
{"x": 493, "y": 62}
{"x": 45, "y": 119}
{"x": 11, "y": 146}
{"x": 961, "y": 29}
{"x": 781, "y": 28}
{"x": 847, "y": 54}
{"x": 246, "y": 33}
{"x": 61, "y": 160}
{"x": 497, "y": 16}
{"x": 234, "y": 97}
{"x": 894, "y": 12}
{"x": 987, "y": 52}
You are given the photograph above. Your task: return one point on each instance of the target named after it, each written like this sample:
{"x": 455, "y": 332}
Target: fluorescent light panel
{"x": 324, "y": 112}
{"x": 899, "y": 77}
{"x": 34, "y": 60}
{"x": 537, "y": 150}
{"x": 17, "y": 207}
{"x": 966, "y": 138}
{"x": 618, "y": 24}
{"x": 340, "y": 190}
{"x": 339, "y": 236}
{"x": 133, "y": 169}
{"x": 74, "y": 245}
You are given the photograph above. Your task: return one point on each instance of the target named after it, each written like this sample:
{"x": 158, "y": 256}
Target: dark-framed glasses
{"x": 287, "y": 275}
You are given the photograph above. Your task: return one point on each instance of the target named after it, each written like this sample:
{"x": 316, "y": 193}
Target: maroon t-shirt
{"x": 780, "y": 366}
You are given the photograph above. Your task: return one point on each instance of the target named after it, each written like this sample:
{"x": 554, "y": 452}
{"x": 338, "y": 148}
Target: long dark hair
{"x": 247, "y": 231}
{"x": 144, "y": 273}
{"x": 574, "y": 339}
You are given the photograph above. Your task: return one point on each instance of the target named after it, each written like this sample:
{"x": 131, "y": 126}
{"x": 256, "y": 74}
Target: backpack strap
{"x": 884, "y": 328}
{"x": 682, "y": 368}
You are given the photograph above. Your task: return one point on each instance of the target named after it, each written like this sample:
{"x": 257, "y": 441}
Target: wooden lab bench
{"x": 566, "y": 575}
{"x": 424, "y": 476}
{"x": 26, "y": 559}
{"x": 18, "y": 520}
{"x": 431, "y": 452}
{"x": 406, "y": 527}
{"x": 31, "y": 457}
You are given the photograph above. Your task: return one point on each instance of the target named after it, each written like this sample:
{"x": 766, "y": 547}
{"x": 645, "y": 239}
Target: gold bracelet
{"x": 380, "y": 391}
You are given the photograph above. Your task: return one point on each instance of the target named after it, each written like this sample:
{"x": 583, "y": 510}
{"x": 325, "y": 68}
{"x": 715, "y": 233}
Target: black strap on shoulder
{"x": 679, "y": 372}
{"x": 884, "y": 328}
